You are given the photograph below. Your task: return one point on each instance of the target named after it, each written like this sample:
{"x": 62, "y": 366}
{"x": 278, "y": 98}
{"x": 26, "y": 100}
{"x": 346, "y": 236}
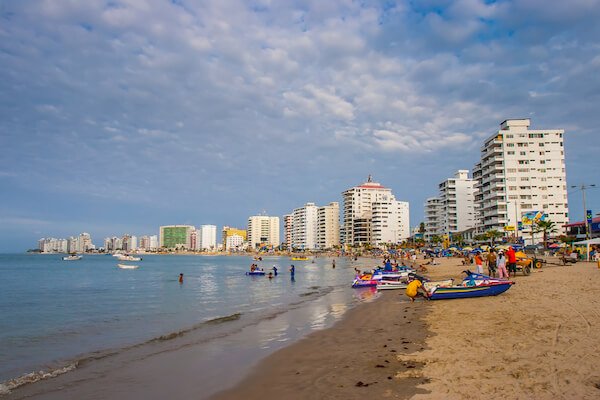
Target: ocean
{"x": 57, "y": 314}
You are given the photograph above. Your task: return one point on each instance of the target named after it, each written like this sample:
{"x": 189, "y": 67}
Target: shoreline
{"x": 364, "y": 354}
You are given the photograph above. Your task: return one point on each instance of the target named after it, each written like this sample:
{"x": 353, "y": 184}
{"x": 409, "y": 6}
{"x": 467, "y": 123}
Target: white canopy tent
{"x": 587, "y": 244}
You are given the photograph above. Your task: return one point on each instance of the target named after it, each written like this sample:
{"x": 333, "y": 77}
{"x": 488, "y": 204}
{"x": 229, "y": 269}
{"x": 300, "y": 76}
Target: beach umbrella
{"x": 554, "y": 246}
{"x": 467, "y": 248}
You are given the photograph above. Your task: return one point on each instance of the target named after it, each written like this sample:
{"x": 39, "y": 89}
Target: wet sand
{"x": 362, "y": 356}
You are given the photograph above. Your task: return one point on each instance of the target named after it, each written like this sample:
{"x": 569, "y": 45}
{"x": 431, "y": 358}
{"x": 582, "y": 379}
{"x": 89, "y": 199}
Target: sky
{"x": 120, "y": 116}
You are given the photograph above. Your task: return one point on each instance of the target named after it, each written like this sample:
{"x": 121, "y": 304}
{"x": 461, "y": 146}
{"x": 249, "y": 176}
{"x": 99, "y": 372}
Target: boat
{"x": 364, "y": 280}
{"x": 73, "y": 257}
{"x": 474, "y": 285}
{"x": 128, "y": 266}
{"x": 255, "y": 273}
{"x": 122, "y": 257}
{"x": 299, "y": 258}
{"x": 390, "y": 285}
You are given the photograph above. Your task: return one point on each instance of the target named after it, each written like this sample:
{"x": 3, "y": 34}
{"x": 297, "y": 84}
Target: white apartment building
{"x": 328, "y": 226}
{"x": 207, "y": 237}
{"x": 288, "y": 226}
{"x": 52, "y": 245}
{"x": 390, "y": 221}
{"x": 358, "y": 224}
{"x": 454, "y": 208}
{"x": 129, "y": 243}
{"x": 263, "y": 230}
{"x": 304, "y": 227}
{"x": 148, "y": 242}
{"x": 234, "y": 242}
{"x": 521, "y": 171}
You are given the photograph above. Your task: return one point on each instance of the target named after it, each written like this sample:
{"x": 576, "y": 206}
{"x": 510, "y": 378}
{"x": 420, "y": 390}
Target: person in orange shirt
{"x": 479, "y": 263}
{"x": 412, "y": 289}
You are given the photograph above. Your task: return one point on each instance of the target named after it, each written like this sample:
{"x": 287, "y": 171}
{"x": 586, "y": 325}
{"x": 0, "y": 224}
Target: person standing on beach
{"x": 479, "y": 263}
{"x": 333, "y": 264}
{"x": 512, "y": 261}
{"x": 501, "y": 264}
{"x": 491, "y": 262}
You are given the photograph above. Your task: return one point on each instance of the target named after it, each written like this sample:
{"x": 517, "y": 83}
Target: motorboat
{"x": 473, "y": 285}
{"x": 128, "y": 266}
{"x": 126, "y": 257}
{"x": 256, "y": 272}
{"x": 73, "y": 257}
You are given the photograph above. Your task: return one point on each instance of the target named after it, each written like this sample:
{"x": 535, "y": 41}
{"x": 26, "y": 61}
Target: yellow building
{"x": 229, "y": 231}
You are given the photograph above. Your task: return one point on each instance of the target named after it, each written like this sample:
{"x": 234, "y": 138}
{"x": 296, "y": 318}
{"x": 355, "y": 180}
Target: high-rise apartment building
{"x": 288, "y": 226}
{"x": 129, "y": 243}
{"x": 328, "y": 226}
{"x": 263, "y": 231}
{"x": 208, "y": 237}
{"x": 521, "y": 172}
{"x": 148, "y": 242}
{"x": 454, "y": 209}
{"x": 304, "y": 227}
{"x": 176, "y": 236}
{"x": 359, "y": 227}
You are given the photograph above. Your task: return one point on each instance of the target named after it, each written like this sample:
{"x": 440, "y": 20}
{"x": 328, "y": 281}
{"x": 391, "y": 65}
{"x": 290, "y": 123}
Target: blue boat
{"x": 255, "y": 273}
{"x": 461, "y": 292}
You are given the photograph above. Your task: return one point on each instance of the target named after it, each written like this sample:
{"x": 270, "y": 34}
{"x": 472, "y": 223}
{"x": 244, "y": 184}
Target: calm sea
{"x": 54, "y": 311}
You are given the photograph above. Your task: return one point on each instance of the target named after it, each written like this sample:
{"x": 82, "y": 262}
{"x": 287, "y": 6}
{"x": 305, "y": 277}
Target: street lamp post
{"x": 583, "y": 187}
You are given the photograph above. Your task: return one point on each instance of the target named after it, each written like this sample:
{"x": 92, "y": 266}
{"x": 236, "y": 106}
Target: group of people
{"x": 501, "y": 262}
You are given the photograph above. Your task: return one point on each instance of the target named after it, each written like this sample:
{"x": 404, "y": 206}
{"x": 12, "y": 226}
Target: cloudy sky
{"x": 120, "y": 116}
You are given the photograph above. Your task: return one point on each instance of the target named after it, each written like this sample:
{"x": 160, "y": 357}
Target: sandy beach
{"x": 539, "y": 340}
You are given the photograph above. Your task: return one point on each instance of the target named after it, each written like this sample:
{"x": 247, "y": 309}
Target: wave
{"x": 7, "y": 386}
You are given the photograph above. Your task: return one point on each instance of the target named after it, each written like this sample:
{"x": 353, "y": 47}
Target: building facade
{"x": 358, "y": 225}
{"x": 263, "y": 231}
{"x": 328, "y": 226}
{"x": 521, "y": 173}
{"x": 176, "y": 236}
{"x": 288, "y": 226}
{"x": 207, "y": 237}
{"x": 230, "y": 231}
{"x": 304, "y": 227}
{"x": 454, "y": 209}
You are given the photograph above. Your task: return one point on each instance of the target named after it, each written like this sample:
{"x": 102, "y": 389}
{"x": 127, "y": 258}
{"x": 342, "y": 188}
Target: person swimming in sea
{"x": 180, "y": 278}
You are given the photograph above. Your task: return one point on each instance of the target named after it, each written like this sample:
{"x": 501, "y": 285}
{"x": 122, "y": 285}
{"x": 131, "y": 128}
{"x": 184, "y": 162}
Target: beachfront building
{"x": 228, "y": 231}
{"x": 521, "y": 174}
{"x": 80, "y": 244}
{"x": 453, "y": 210}
{"x": 129, "y": 243}
{"x": 288, "y": 226}
{"x": 328, "y": 226}
{"x": 52, "y": 245}
{"x": 148, "y": 243}
{"x": 359, "y": 227}
{"x": 207, "y": 238}
{"x": 263, "y": 231}
{"x": 432, "y": 218}
{"x": 304, "y": 227}
{"x": 176, "y": 236}
{"x": 389, "y": 221}
{"x": 234, "y": 242}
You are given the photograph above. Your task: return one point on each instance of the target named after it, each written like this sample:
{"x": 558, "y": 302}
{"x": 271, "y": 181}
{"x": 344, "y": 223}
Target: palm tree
{"x": 458, "y": 239}
{"x": 493, "y": 234}
{"x": 546, "y": 227}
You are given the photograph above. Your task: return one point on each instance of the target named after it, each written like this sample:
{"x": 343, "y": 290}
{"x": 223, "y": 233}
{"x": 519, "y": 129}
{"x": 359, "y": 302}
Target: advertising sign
{"x": 589, "y": 216}
{"x": 533, "y": 217}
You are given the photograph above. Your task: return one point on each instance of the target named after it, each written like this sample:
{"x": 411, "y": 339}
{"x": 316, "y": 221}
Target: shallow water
{"x": 53, "y": 311}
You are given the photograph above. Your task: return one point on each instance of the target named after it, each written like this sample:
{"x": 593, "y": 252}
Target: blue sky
{"x": 120, "y": 116}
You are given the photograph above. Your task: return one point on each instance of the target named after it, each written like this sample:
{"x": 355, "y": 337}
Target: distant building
{"x": 176, "y": 236}
{"x": 328, "y": 226}
{"x": 80, "y": 244}
{"x": 52, "y": 245}
{"x": 208, "y": 237}
{"x": 288, "y": 227}
{"x": 148, "y": 243}
{"x": 304, "y": 227}
{"x": 360, "y": 203}
{"x": 129, "y": 243}
{"x": 230, "y": 231}
{"x": 234, "y": 242}
{"x": 263, "y": 231}
{"x": 454, "y": 209}
{"x": 521, "y": 173}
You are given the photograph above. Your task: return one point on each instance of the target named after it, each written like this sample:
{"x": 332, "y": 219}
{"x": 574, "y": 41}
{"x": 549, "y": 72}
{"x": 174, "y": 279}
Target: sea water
{"x": 53, "y": 311}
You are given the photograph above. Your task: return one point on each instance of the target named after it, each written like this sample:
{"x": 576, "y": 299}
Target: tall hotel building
{"x": 454, "y": 209}
{"x": 288, "y": 226}
{"x": 372, "y": 215}
{"x": 328, "y": 226}
{"x": 521, "y": 171}
{"x": 263, "y": 230}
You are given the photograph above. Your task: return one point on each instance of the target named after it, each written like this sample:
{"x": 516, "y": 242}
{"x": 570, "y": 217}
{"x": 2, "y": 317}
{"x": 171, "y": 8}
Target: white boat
{"x": 73, "y": 257}
{"x": 389, "y": 285}
{"x": 127, "y": 266}
{"x": 122, "y": 257}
